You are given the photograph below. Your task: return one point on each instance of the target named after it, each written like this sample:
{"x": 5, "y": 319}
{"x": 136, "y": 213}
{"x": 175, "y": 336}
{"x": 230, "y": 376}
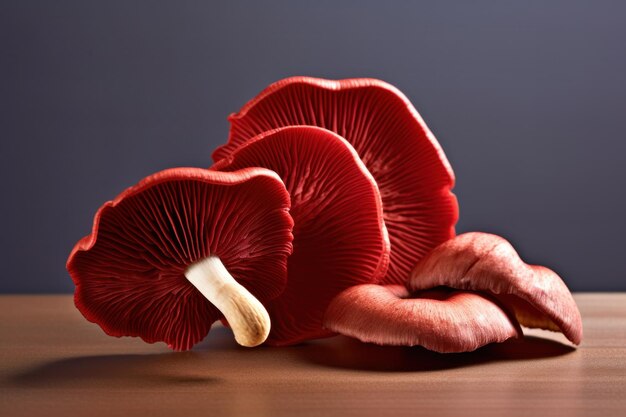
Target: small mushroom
{"x": 402, "y": 154}
{"x": 340, "y": 238}
{"x": 485, "y": 262}
{"x": 172, "y": 254}
{"x": 440, "y": 320}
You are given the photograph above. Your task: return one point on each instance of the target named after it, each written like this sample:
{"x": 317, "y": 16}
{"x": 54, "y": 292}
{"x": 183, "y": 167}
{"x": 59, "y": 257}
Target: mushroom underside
{"x": 142, "y": 271}
{"x": 340, "y": 238}
{"x": 396, "y": 146}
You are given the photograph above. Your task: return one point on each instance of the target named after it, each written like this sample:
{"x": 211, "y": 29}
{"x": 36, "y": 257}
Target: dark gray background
{"x": 527, "y": 98}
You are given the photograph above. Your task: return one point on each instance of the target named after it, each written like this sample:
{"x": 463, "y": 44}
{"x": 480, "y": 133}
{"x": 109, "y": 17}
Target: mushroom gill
{"x": 340, "y": 238}
{"x": 413, "y": 175}
{"x": 172, "y": 254}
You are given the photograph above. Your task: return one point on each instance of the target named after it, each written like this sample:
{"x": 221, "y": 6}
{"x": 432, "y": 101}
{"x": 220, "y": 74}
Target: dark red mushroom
{"x": 339, "y": 235}
{"x": 412, "y": 172}
{"x": 171, "y": 254}
{"x": 488, "y": 263}
{"x": 440, "y": 320}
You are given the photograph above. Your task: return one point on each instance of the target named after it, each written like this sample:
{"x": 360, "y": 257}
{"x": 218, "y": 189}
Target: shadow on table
{"x": 196, "y": 367}
{"x": 350, "y": 354}
{"x": 129, "y": 370}
{"x": 120, "y": 370}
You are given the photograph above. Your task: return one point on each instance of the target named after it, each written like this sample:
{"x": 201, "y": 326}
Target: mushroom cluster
{"x": 329, "y": 210}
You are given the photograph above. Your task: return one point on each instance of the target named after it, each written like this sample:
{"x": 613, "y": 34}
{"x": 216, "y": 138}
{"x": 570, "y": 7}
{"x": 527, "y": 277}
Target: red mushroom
{"x": 412, "y": 172}
{"x": 171, "y": 254}
{"x": 439, "y": 320}
{"x": 339, "y": 235}
{"x": 486, "y": 262}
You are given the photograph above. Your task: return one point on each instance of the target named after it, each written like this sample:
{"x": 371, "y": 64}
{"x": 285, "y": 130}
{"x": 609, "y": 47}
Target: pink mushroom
{"x": 488, "y": 263}
{"x": 440, "y": 320}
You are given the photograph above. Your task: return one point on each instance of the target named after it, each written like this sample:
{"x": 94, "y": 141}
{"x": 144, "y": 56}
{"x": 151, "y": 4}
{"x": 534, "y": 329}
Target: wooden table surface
{"x": 53, "y": 362}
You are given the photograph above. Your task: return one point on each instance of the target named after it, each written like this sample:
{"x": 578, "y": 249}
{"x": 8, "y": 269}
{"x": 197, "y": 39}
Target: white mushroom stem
{"x": 245, "y": 314}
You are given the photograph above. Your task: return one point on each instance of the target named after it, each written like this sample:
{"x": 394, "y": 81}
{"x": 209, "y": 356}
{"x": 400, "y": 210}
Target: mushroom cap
{"x": 485, "y": 262}
{"x": 411, "y": 169}
{"x": 129, "y": 272}
{"x": 440, "y": 320}
{"x": 340, "y": 238}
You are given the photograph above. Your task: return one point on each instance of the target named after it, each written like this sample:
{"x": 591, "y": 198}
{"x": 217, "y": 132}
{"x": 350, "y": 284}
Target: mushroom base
{"x": 246, "y": 315}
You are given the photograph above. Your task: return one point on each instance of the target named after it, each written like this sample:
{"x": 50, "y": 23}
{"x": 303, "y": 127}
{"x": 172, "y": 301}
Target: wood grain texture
{"x": 53, "y": 362}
